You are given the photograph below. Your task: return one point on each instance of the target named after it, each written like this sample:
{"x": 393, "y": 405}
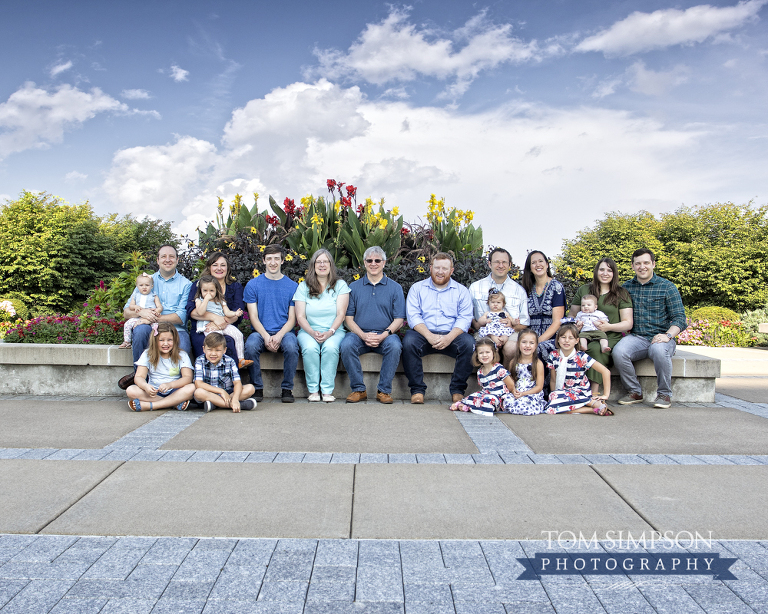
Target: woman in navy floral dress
{"x": 546, "y": 301}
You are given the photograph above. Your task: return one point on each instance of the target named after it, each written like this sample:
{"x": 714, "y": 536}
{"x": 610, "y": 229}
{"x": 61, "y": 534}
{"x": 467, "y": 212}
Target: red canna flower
{"x": 331, "y": 183}
{"x": 351, "y": 190}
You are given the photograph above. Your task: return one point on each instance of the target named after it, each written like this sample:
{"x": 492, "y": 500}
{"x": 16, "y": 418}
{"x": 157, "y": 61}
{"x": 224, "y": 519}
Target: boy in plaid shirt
{"x": 217, "y": 382}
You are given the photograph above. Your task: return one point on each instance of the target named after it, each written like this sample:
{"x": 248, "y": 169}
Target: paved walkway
{"x": 104, "y": 510}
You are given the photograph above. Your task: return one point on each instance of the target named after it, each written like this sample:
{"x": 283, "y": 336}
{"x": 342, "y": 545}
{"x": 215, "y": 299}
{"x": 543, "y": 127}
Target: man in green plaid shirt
{"x": 659, "y": 317}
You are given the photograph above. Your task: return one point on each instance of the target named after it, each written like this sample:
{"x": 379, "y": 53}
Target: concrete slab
{"x": 735, "y": 361}
{"x": 641, "y": 429}
{"x": 331, "y": 427}
{"x": 485, "y": 502}
{"x": 728, "y": 500}
{"x": 34, "y": 492}
{"x": 747, "y": 388}
{"x": 67, "y": 424}
{"x": 217, "y": 500}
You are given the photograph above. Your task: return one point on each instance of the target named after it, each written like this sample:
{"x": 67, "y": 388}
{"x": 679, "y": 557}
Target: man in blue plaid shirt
{"x": 659, "y": 317}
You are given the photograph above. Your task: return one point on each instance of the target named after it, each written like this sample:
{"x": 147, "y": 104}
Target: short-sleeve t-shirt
{"x": 273, "y": 298}
{"x": 166, "y": 371}
{"x": 321, "y": 310}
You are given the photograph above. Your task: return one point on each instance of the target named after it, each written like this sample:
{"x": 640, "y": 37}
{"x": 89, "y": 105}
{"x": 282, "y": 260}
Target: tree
{"x": 51, "y": 252}
{"x": 131, "y": 235}
{"x": 715, "y": 254}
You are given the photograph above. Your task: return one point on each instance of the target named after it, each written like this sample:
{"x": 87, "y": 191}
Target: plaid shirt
{"x": 656, "y": 306}
{"x": 222, "y": 375}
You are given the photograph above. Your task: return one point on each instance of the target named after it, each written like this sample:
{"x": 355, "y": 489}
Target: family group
{"x": 554, "y": 363}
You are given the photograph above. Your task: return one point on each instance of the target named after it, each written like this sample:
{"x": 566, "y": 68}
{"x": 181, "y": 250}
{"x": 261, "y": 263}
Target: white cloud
{"x": 532, "y": 174}
{"x": 179, "y": 74}
{"x": 396, "y": 50}
{"x": 663, "y": 28}
{"x": 136, "y": 94}
{"x": 34, "y": 117}
{"x": 652, "y": 83}
{"x": 60, "y": 68}
{"x": 75, "y": 176}
{"x": 606, "y": 88}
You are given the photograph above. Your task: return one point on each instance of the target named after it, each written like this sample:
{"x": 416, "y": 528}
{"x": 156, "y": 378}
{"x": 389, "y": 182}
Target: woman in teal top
{"x": 321, "y": 305}
{"x": 615, "y": 302}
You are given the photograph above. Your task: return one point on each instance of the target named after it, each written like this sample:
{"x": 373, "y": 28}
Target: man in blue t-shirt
{"x": 269, "y": 299}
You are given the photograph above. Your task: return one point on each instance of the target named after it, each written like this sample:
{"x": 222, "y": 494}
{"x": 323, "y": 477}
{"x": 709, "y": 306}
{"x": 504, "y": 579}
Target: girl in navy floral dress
{"x": 494, "y": 380}
{"x": 526, "y": 397}
{"x": 571, "y": 391}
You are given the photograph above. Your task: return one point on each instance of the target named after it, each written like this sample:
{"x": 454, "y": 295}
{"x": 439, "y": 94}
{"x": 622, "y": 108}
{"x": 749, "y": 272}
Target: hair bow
{"x": 154, "y": 328}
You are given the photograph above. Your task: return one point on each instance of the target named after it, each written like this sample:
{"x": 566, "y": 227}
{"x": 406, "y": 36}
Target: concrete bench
{"x": 93, "y": 370}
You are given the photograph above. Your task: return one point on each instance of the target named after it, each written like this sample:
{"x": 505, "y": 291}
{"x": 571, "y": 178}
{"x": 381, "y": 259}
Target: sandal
{"x": 182, "y": 406}
{"x": 135, "y": 405}
{"x": 602, "y": 410}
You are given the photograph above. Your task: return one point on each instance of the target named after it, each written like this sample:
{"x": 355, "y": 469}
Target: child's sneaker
{"x": 480, "y": 411}
{"x": 207, "y": 406}
{"x": 248, "y": 404}
{"x": 244, "y": 363}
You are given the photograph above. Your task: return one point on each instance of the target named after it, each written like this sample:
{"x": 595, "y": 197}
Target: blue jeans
{"x": 254, "y": 346}
{"x": 353, "y": 346}
{"x": 140, "y": 342}
{"x": 632, "y": 348}
{"x": 415, "y": 347}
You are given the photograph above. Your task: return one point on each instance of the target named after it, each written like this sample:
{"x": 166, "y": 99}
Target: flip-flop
{"x": 135, "y": 405}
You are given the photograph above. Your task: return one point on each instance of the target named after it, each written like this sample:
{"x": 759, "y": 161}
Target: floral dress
{"x": 576, "y": 391}
{"x": 540, "y": 311}
{"x": 495, "y": 327}
{"x": 530, "y": 404}
{"x": 492, "y": 391}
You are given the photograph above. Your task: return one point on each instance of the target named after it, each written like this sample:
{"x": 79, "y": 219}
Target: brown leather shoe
{"x": 126, "y": 381}
{"x": 456, "y": 397}
{"x": 417, "y": 399}
{"x": 357, "y": 396}
{"x": 383, "y": 397}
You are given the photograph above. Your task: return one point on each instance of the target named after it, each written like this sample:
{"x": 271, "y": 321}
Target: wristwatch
{"x": 670, "y": 336}
{"x": 389, "y": 332}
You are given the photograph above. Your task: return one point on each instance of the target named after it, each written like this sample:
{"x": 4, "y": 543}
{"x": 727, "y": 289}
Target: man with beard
{"x": 439, "y": 311}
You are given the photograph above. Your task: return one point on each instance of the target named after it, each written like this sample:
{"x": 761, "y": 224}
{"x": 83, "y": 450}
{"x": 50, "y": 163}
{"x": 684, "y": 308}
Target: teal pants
{"x": 320, "y": 361}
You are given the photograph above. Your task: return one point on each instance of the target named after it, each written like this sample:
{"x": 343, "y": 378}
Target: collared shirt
{"x": 222, "y": 374}
{"x": 173, "y": 295}
{"x": 375, "y": 306}
{"x": 516, "y": 305}
{"x": 656, "y": 305}
{"x": 441, "y": 309}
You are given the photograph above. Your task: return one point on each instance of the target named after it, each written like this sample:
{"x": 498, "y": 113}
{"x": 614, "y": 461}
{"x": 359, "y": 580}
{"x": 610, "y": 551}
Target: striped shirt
{"x": 222, "y": 375}
{"x": 656, "y": 306}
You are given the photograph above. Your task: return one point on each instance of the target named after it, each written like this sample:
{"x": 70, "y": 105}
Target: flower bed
{"x": 66, "y": 329}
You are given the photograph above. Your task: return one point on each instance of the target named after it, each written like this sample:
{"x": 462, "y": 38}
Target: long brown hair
{"x": 228, "y": 278}
{"x": 615, "y": 293}
{"x": 209, "y": 279}
{"x": 535, "y": 362}
{"x": 480, "y": 343}
{"x": 312, "y": 282}
{"x": 528, "y": 280}
{"x": 153, "y": 351}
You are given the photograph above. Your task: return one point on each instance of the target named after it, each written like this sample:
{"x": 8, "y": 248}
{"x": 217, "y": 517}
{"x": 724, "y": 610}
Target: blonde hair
{"x": 153, "y": 352}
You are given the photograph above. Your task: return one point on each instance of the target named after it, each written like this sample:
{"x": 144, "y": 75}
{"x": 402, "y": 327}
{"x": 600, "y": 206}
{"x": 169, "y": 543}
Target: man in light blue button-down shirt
{"x": 173, "y": 289}
{"x": 439, "y": 311}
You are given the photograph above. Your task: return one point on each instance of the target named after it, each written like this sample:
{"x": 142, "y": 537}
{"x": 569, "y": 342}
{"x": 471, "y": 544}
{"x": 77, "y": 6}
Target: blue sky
{"x": 539, "y": 116}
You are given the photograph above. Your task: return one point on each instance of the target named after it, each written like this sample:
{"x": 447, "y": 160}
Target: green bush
{"x": 714, "y": 254}
{"x": 20, "y": 312}
{"x": 715, "y": 314}
{"x": 751, "y": 320}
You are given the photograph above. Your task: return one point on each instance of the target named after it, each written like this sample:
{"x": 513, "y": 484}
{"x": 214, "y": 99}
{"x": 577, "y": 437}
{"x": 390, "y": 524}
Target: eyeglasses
{"x": 373, "y": 260}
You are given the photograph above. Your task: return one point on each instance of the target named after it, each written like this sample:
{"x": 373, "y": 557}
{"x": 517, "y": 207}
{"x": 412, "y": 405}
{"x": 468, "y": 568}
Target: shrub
{"x": 751, "y": 320}
{"x": 724, "y": 333}
{"x": 12, "y": 309}
{"x": 714, "y": 314}
{"x": 67, "y": 329}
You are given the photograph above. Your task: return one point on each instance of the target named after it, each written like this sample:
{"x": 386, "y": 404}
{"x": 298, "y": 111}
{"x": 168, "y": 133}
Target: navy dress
{"x": 540, "y": 311}
{"x": 234, "y": 298}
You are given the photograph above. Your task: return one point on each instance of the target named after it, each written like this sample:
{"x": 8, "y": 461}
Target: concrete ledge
{"x": 93, "y": 370}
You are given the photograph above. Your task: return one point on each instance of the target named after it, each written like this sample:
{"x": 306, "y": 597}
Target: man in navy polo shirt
{"x": 375, "y": 314}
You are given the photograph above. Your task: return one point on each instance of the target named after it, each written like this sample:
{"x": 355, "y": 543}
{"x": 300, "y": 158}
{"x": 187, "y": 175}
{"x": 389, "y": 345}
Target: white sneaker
{"x": 314, "y": 397}
{"x": 328, "y": 398}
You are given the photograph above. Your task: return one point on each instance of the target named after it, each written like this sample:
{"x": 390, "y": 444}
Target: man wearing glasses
{"x": 439, "y": 313}
{"x": 374, "y": 316}
{"x": 516, "y": 299}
